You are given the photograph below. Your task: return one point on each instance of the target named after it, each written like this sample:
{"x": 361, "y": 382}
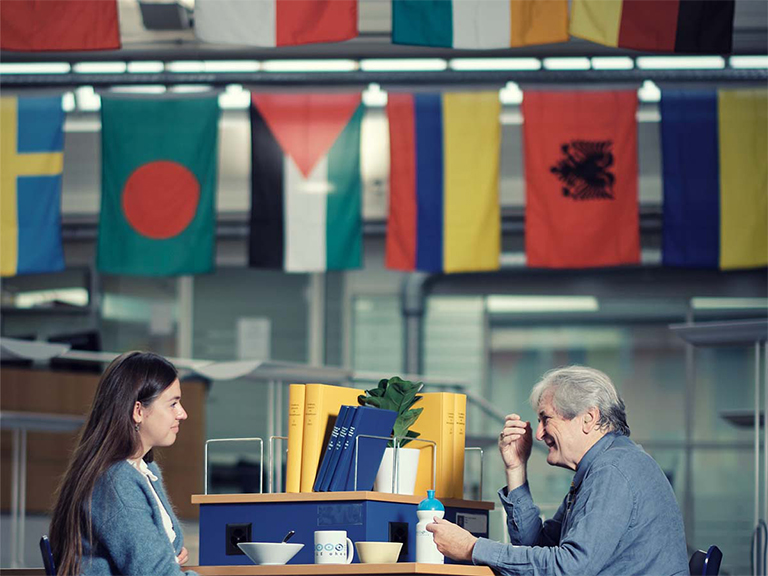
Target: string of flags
{"x": 686, "y": 26}
{"x": 159, "y": 174}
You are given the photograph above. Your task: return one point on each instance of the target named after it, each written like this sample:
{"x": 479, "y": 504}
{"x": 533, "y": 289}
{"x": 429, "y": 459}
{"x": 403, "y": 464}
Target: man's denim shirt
{"x": 623, "y": 519}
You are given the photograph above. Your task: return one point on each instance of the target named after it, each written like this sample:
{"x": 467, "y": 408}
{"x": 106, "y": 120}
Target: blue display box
{"x": 365, "y": 516}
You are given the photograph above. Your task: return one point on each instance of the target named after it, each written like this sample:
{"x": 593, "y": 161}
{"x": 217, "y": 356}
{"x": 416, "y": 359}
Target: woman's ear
{"x": 138, "y": 412}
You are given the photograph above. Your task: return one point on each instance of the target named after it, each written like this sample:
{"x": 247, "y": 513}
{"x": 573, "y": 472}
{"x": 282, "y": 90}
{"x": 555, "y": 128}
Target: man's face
{"x": 563, "y": 437}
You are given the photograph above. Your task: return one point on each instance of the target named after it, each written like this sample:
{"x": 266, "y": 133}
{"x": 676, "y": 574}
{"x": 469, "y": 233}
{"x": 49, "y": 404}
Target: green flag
{"x": 158, "y": 181}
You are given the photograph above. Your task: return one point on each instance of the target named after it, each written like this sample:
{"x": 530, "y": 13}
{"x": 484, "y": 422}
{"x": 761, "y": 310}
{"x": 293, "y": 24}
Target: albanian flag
{"x": 158, "y": 186}
{"x": 581, "y": 179}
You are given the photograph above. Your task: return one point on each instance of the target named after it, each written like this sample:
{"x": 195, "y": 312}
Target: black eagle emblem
{"x": 585, "y": 171}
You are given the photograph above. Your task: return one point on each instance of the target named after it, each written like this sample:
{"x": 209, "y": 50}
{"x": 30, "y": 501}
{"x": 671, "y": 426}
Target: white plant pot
{"x": 407, "y": 466}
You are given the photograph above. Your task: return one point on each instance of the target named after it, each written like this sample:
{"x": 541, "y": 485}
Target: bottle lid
{"x": 430, "y": 502}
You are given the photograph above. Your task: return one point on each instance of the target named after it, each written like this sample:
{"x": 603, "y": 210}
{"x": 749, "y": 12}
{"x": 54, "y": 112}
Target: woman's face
{"x": 159, "y": 422}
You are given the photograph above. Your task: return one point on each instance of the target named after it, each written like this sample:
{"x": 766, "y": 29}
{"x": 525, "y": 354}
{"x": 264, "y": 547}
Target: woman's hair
{"x": 575, "y": 389}
{"x": 109, "y": 436}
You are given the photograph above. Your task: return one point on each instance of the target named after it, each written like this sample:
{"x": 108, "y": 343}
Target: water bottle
{"x": 426, "y": 550}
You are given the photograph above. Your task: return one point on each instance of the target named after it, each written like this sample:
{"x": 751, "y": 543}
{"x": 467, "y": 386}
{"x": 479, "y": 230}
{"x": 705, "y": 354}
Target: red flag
{"x": 48, "y": 25}
{"x": 581, "y": 179}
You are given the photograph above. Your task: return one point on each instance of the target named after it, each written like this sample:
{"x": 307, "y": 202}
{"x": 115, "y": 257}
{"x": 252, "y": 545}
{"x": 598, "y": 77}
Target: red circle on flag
{"x": 160, "y": 199}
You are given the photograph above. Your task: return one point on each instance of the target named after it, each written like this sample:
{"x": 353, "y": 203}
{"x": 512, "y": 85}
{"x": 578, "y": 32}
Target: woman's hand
{"x": 183, "y": 557}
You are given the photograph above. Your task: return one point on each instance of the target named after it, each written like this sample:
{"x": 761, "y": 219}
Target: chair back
{"x": 47, "y": 554}
{"x": 705, "y": 563}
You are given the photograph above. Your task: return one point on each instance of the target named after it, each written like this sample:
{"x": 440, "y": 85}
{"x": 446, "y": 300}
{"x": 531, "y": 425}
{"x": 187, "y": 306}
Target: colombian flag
{"x": 55, "y": 25}
{"x": 686, "y": 26}
{"x": 581, "y": 205}
{"x": 714, "y": 150}
{"x": 32, "y": 161}
{"x": 479, "y": 23}
{"x": 275, "y": 22}
{"x": 444, "y": 211}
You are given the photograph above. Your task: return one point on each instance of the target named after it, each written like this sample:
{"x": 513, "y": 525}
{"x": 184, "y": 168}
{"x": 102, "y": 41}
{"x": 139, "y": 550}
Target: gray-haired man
{"x": 620, "y": 515}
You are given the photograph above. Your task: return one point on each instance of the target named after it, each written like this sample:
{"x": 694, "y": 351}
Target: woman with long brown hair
{"x": 112, "y": 515}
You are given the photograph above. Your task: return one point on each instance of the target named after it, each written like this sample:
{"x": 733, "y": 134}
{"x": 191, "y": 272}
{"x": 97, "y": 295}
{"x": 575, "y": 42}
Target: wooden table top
{"x": 345, "y": 569}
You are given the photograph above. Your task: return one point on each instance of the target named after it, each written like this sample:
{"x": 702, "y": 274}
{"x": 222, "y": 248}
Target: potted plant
{"x": 398, "y": 395}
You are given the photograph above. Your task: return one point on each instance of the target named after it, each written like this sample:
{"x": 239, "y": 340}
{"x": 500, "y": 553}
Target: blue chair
{"x": 705, "y": 563}
{"x": 47, "y": 554}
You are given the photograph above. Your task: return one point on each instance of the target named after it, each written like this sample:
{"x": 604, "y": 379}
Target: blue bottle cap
{"x": 430, "y": 502}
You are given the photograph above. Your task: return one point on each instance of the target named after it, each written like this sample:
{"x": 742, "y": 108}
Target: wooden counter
{"x": 344, "y": 570}
{"x": 333, "y": 497}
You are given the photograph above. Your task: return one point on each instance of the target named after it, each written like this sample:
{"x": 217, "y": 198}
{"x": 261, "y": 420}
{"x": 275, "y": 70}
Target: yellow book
{"x": 436, "y": 423}
{"x": 459, "y": 440}
{"x": 295, "y": 434}
{"x": 321, "y": 406}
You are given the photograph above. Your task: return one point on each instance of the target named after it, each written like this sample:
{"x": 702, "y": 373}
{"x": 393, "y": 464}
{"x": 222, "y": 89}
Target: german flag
{"x": 682, "y": 26}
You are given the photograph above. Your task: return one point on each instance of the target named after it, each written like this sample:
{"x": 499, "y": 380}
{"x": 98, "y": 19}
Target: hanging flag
{"x": 479, "y": 23}
{"x": 58, "y": 25}
{"x": 714, "y": 146}
{"x": 275, "y": 22}
{"x": 158, "y": 180}
{"x": 444, "y": 213}
{"x": 581, "y": 205}
{"x": 32, "y": 160}
{"x": 685, "y": 26}
{"x": 306, "y": 207}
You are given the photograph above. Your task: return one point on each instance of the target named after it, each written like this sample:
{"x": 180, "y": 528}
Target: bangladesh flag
{"x": 158, "y": 182}
{"x": 306, "y": 189}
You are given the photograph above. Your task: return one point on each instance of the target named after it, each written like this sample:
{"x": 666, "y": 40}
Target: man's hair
{"x": 575, "y": 389}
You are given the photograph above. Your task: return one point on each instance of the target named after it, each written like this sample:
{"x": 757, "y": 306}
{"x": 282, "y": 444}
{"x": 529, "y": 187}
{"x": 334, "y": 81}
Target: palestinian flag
{"x": 306, "y": 188}
{"x": 581, "y": 178}
{"x": 158, "y": 183}
{"x": 685, "y": 26}
{"x": 56, "y": 25}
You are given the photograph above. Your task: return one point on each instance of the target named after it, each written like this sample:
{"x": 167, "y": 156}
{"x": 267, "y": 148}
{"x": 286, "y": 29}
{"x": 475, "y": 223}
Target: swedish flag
{"x": 32, "y": 159}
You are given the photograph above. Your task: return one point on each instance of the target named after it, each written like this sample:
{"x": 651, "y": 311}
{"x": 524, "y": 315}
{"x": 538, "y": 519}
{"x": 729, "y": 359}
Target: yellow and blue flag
{"x": 32, "y": 160}
{"x": 714, "y": 150}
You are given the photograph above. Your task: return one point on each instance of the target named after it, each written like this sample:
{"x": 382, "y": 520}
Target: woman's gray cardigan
{"x": 128, "y": 534}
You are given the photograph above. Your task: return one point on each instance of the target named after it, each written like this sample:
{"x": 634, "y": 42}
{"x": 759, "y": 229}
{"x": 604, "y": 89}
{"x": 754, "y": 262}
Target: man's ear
{"x": 589, "y": 420}
{"x": 138, "y": 412}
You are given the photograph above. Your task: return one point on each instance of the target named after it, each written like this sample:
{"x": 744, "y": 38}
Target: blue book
{"x": 338, "y": 445}
{"x": 367, "y": 420}
{"x": 329, "y": 449}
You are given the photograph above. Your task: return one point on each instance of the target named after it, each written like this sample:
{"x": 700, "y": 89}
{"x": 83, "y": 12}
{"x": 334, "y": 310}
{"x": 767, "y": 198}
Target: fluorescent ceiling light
{"x": 511, "y": 94}
{"x": 495, "y": 64}
{"x": 185, "y": 66}
{"x": 403, "y": 64}
{"x": 232, "y": 66}
{"x": 649, "y": 92}
{"x": 99, "y": 68}
{"x": 748, "y": 61}
{"x": 38, "y": 68}
{"x": 87, "y": 100}
{"x": 190, "y": 88}
{"x": 147, "y": 89}
{"x": 145, "y": 67}
{"x": 538, "y": 304}
{"x": 71, "y": 296}
{"x": 729, "y": 303}
{"x": 82, "y": 125}
{"x": 374, "y": 96}
{"x": 567, "y": 63}
{"x": 612, "y": 63}
{"x": 234, "y": 98}
{"x": 680, "y": 62}
{"x": 309, "y": 66}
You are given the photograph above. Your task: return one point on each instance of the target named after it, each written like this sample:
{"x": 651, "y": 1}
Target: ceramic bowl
{"x": 270, "y": 553}
{"x": 378, "y": 552}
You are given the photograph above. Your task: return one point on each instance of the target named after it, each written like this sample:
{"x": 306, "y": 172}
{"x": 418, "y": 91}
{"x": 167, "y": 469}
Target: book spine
{"x": 459, "y": 441}
{"x": 445, "y": 479}
{"x": 296, "y": 393}
{"x": 313, "y": 436}
{"x": 329, "y": 450}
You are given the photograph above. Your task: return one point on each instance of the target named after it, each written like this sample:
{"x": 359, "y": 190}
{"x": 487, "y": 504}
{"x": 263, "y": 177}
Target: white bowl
{"x": 378, "y": 552}
{"x": 270, "y": 553}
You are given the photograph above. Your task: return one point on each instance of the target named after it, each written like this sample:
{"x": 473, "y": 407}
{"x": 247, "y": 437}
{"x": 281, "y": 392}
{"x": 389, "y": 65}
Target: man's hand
{"x": 183, "y": 557}
{"x": 451, "y": 540}
{"x": 515, "y": 442}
